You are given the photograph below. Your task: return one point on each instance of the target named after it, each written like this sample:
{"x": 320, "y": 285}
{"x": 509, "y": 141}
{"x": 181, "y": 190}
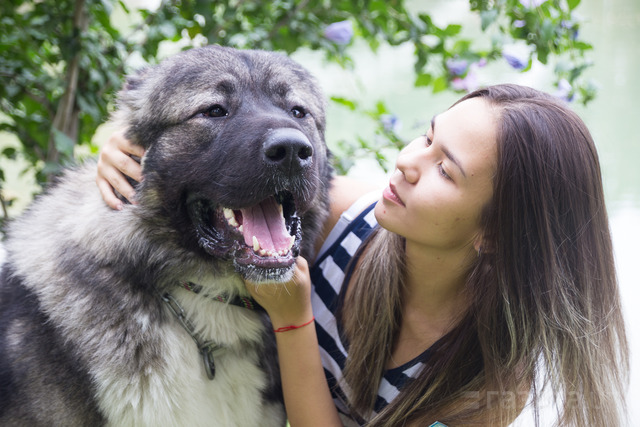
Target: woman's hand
{"x": 288, "y": 304}
{"x": 306, "y": 393}
{"x": 114, "y": 163}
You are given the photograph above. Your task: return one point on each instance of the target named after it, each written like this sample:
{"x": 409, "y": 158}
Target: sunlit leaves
{"x": 39, "y": 42}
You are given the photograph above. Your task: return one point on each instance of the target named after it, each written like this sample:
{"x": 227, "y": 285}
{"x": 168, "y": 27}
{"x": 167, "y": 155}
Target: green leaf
{"x": 488, "y": 17}
{"x": 63, "y": 143}
{"x": 123, "y": 5}
{"x": 350, "y": 104}
{"x": 423, "y": 79}
{"x": 582, "y": 45}
{"x": 381, "y": 108}
{"x": 440, "y": 84}
{"x": 547, "y": 31}
{"x": 10, "y": 153}
{"x": 573, "y": 4}
{"x": 461, "y": 47}
{"x": 452, "y": 30}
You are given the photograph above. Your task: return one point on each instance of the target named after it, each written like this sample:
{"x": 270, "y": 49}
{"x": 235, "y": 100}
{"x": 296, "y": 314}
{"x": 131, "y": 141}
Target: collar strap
{"x": 208, "y": 349}
{"x": 237, "y": 300}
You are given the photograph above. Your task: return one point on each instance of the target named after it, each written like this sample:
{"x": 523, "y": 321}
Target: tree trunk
{"x": 67, "y": 114}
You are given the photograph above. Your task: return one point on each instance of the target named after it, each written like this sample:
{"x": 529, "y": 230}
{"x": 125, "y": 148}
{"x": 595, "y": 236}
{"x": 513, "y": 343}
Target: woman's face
{"x": 443, "y": 180}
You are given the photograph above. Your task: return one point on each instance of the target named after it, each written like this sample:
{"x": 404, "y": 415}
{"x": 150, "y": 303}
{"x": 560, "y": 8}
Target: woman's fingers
{"x": 285, "y": 300}
{"x": 114, "y": 163}
{"x": 108, "y": 195}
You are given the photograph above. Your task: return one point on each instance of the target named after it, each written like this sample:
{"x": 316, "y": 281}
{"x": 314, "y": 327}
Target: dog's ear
{"x": 130, "y": 100}
{"x": 129, "y": 95}
{"x": 133, "y": 81}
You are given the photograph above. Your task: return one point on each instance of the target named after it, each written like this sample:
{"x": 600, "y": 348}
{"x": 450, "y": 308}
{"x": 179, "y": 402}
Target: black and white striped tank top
{"x": 328, "y": 275}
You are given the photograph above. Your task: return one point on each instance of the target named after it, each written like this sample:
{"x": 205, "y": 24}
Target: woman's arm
{"x": 306, "y": 393}
{"x": 114, "y": 163}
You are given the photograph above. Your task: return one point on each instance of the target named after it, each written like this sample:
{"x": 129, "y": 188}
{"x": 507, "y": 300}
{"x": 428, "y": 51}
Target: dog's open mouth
{"x": 265, "y": 236}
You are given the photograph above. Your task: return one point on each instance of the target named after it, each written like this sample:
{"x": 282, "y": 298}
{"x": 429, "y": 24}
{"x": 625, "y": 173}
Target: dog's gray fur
{"x": 84, "y": 337}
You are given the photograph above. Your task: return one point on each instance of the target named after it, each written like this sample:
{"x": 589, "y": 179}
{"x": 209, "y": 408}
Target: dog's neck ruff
{"x": 245, "y": 302}
{"x": 208, "y": 349}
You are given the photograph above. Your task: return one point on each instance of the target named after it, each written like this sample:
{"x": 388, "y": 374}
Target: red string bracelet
{"x": 289, "y": 328}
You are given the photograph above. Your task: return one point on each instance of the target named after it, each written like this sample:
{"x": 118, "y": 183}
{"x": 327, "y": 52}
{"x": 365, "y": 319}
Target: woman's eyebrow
{"x": 446, "y": 151}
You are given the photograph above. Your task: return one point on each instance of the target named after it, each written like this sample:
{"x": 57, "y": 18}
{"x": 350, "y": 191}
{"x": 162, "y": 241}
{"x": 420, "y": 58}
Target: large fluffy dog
{"x": 128, "y": 318}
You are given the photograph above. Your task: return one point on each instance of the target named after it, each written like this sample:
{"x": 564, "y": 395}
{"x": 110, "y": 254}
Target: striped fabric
{"x": 327, "y": 276}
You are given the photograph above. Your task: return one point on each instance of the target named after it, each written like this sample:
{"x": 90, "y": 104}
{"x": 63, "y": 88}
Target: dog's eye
{"x": 298, "y": 112}
{"x": 216, "y": 111}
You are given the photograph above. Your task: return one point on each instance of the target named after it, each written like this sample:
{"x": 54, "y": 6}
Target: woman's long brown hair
{"x": 545, "y": 310}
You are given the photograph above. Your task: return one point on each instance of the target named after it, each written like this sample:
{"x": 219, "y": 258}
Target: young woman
{"x": 483, "y": 275}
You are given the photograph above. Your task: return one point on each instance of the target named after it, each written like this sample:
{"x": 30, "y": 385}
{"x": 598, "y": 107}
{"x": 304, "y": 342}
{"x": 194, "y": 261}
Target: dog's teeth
{"x": 293, "y": 240}
{"x": 280, "y": 210}
{"x": 240, "y": 229}
{"x": 256, "y": 244}
{"x": 230, "y": 216}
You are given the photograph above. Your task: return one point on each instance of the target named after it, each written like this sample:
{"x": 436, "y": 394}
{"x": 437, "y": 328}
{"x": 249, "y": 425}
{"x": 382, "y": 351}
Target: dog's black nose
{"x": 288, "y": 149}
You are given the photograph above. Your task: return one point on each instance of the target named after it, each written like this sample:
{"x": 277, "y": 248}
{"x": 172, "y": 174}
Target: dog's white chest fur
{"x": 175, "y": 390}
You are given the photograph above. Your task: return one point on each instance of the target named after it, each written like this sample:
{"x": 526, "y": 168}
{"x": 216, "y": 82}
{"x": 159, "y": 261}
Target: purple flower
{"x": 469, "y": 83}
{"x": 391, "y": 123}
{"x": 570, "y": 25}
{"x": 531, "y": 3}
{"x": 519, "y": 23}
{"x": 515, "y": 59}
{"x": 564, "y": 90}
{"x": 339, "y": 32}
{"x": 457, "y": 67}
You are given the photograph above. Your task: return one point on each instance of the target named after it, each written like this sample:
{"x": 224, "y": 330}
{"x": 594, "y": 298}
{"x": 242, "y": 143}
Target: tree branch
{"x": 66, "y": 119}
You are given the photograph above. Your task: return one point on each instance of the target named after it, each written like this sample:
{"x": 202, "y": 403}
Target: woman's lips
{"x": 390, "y": 194}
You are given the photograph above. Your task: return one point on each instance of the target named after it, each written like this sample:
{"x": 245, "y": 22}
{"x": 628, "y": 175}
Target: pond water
{"x": 613, "y": 27}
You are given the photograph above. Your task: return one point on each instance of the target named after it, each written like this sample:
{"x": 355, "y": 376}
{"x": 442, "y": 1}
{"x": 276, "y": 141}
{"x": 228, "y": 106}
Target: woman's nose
{"x": 406, "y": 164}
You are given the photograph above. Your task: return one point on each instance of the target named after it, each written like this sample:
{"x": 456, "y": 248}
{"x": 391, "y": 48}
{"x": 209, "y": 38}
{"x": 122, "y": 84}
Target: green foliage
{"x": 58, "y": 72}
{"x": 61, "y": 61}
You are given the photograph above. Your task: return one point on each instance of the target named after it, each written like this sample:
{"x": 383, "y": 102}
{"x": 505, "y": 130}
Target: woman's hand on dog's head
{"x": 286, "y": 303}
{"x": 114, "y": 163}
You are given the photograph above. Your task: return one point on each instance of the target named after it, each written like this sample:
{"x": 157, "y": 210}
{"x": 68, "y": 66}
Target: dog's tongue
{"x": 266, "y": 222}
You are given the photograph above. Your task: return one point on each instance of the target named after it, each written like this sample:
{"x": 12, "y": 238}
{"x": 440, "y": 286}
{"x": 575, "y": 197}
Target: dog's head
{"x": 235, "y": 155}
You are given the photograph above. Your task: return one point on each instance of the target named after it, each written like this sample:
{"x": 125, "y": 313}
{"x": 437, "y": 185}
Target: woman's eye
{"x": 298, "y": 112}
{"x": 216, "y": 111}
{"x": 428, "y": 140}
{"x": 443, "y": 172}
{"x": 429, "y": 135}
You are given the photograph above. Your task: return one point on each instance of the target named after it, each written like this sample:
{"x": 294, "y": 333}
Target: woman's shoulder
{"x": 345, "y": 191}
{"x": 347, "y": 194}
